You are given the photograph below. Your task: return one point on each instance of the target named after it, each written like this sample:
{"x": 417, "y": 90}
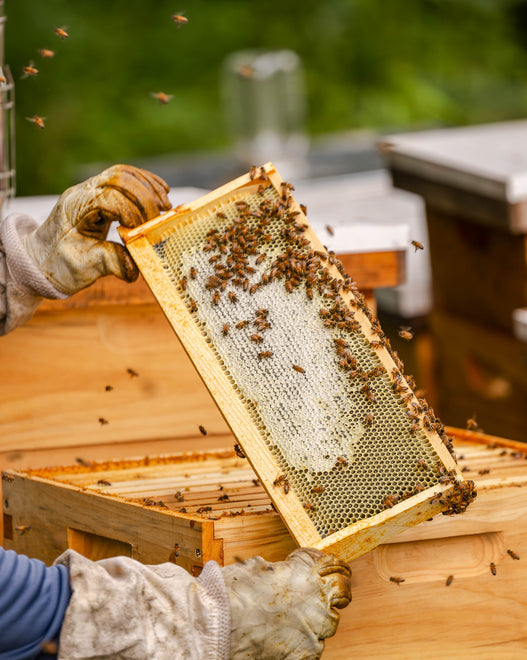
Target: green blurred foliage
{"x": 377, "y": 64}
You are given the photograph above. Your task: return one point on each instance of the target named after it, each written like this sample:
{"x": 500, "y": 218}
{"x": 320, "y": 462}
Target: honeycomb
{"x": 290, "y": 331}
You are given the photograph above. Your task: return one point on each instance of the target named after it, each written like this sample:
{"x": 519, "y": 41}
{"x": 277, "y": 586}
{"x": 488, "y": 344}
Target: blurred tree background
{"x": 384, "y": 65}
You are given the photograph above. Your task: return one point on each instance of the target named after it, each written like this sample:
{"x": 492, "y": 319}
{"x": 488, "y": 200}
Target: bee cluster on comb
{"x": 306, "y": 372}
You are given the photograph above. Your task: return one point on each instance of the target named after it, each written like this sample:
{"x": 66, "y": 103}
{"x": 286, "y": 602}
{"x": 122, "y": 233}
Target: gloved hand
{"x": 70, "y": 247}
{"x": 284, "y": 610}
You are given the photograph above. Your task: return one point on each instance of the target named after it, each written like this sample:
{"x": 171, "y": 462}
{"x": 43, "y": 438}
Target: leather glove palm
{"x": 70, "y": 247}
{"x": 285, "y": 610}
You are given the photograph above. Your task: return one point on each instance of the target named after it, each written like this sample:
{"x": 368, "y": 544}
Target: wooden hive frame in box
{"x": 300, "y": 370}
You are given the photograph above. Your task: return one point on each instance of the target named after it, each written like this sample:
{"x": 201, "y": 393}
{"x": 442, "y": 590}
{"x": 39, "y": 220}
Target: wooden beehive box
{"x": 134, "y": 507}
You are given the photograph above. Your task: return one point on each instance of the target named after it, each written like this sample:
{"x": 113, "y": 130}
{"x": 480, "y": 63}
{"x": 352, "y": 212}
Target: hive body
{"x": 299, "y": 368}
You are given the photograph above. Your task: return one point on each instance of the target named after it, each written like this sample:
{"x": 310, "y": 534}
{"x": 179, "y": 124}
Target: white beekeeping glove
{"x": 285, "y": 610}
{"x": 70, "y": 247}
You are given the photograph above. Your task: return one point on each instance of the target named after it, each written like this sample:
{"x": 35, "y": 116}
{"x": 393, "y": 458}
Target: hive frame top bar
{"x": 290, "y": 480}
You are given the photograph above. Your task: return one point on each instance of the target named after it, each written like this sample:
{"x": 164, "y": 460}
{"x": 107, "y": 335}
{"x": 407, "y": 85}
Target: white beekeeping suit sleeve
{"x": 122, "y": 609}
{"x": 22, "y": 284}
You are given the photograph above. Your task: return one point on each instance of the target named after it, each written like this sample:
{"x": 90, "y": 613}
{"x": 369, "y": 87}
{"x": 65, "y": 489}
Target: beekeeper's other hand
{"x": 285, "y": 610}
{"x": 70, "y": 247}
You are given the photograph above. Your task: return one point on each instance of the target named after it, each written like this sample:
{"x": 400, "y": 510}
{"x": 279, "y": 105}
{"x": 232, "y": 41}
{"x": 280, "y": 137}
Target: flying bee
{"x": 253, "y": 173}
{"x": 202, "y": 430}
{"x": 472, "y": 424}
{"x": 417, "y": 245}
{"x": 29, "y": 71}
{"x": 179, "y": 20}
{"x": 38, "y": 121}
{"x": 299, "y": 369}
{"x": 102, "y": 421}
{"x": 162, "y": 97}
{"x": 23, "y": 529}
{"x": 239, "y": 451}
{"x": 282, "y": 481}
{"x": 449, "y": 580}
{"x": 406, "y": 333}
{"x": 493, "y": 568}
{"x": 132, "y": 373}
{"x": 512, "y": 554}
{"x": 330, "y": 231}
{"x": 46, "y": 54}
{"x": 397, "y": 580}
{"x": 265, "y": 354}
{"x": 61, "y": 32}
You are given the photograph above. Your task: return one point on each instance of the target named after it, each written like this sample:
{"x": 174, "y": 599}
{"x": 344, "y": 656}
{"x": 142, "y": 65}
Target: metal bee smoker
{"x": 7, "y": 121}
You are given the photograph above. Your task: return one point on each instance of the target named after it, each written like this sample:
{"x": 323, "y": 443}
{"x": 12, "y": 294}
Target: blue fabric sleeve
{"x": 33, "y": 601}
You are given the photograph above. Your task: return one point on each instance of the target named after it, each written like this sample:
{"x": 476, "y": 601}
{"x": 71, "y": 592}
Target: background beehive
{"x": 300, "y": 369}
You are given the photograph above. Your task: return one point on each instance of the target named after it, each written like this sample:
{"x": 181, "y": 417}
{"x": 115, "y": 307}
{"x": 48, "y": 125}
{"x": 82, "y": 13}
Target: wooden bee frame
{"x": 380, "y": 460}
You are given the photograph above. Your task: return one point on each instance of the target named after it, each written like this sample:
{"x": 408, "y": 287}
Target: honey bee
{"x": 29, "y": 71}
{"x": 390, "y": 500}
{"x": 241, "y": 324}
{"x": 368, "y": 420}
{"x": 83, "y": 462}
{"x": 46, "y": 54}
{"x": 61, "y": 32}
{"x": 330, "y": 231}
{"x": 204, "y": 509}
{"x": 7, "y": 477}
{"x": 178, "y": 496}
{"x": 183, "y": 283}
{"x": 225, "y": 329}
{"x": 263, "y": 174}
{"x": 102, "y": 421}
{"x": 260, "y": 258}
{"x": 282, "y": 481}
{"x": 421, "y": 463}
{"x": 449, "y": 580}
{"x": 472, "y": 424}
{"x": 193, "y": 306}
{"x": 202, "y": 430}
{"x": 397, "y": 580}
{"x": 38, "y": 121}
{"x": 23, "y": 529}
{"x": 318, "y": 489}
{"x": 179, "y": 19}
{"x": 299, "y": 369}
{"x": 132, "y": 373}
{"x": 258, "y": 339}
{"x": 304, "y": 209}
{"x": 341, "y": 461}
{"x": 216, "y": 298}
{"x": 484, "y": 471}
{"x": 417, "y": 245}
{"x": 406, "y": 333}
{"x": 493, "y": 568}
{"x": 223, "y": 498}
{"x": 103, "y": 482}
{"x": 512, "y": 554}
{"x": 239, "y": 451}
{"x": 108, "y": 388}
{"x": 309, "y": 507}
{"x": 162, "y": 97}
{"x": 233, "y": 297}
{"x": 265, "y": 354}
{"x": 253, "y": 173}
